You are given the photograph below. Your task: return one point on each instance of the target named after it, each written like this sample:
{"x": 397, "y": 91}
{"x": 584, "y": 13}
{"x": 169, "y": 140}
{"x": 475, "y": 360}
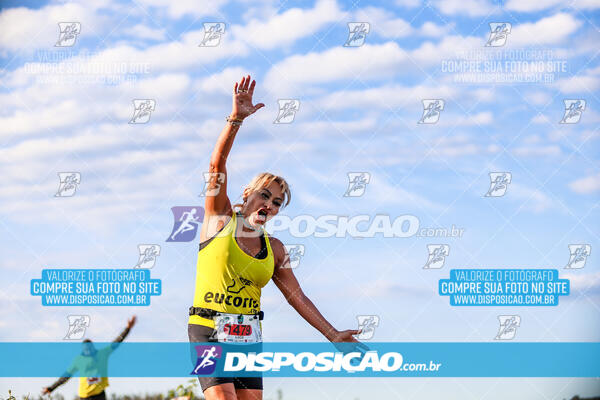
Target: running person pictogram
{"x": 235, "y": 247}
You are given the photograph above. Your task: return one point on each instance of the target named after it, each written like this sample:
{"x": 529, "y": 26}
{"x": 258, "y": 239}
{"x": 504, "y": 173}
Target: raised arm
{"x": 124, "y": 333}
{"x": 63, "y": 379}
{"x": 219, "y": 203}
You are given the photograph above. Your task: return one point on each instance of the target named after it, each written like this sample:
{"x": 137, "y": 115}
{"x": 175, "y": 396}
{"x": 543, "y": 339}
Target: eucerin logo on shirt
{"x": 230, "y": 300}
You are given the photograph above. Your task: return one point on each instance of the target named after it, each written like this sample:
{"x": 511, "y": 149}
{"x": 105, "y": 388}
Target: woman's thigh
{"x": 249, "y": 394}
{"x": 224, "y": 391}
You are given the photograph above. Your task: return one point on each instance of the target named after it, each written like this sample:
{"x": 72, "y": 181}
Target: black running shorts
{"x": 201, "y": 333}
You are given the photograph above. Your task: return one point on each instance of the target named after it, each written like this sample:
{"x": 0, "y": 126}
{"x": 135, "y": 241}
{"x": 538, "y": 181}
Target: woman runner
{"x": 237, "y": 258}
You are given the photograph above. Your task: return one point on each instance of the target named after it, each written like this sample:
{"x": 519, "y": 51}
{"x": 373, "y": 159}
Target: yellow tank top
{"x": 228, "y": 279}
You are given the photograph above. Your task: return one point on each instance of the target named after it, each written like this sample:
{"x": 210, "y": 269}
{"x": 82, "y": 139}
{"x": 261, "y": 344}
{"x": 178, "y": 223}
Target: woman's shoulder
{"x": 278, "y": 248}
{"x": 214, "y": 224}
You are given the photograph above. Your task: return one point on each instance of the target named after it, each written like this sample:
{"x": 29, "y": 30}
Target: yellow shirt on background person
{"x": 90, "y": 367}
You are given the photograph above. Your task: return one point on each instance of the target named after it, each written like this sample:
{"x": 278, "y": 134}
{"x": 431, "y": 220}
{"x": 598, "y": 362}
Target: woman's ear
{"x": 245, "y": 194}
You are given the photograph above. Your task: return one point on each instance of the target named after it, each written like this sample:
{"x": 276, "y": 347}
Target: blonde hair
{"x": 263, "y": 180}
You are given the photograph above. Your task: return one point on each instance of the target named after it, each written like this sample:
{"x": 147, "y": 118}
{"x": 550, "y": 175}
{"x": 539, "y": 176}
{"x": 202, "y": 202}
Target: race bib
{"x": 236, "y": 328}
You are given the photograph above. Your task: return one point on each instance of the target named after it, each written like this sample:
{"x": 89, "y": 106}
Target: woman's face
{"x": 263, "y": 204}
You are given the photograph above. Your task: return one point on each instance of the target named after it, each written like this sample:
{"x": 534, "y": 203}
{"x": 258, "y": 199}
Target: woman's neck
{"x": 246, "y": 227}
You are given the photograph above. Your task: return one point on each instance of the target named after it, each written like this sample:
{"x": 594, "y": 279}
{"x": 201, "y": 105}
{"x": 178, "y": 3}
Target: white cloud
{"x": 550, "y": 150}
{"x": 170, "y": 56}
{"x": 530, "y": 5}
{"x": 585, "y": 4}
{"x": 549, "y": 30}
{"x": 293, "y": 24}
{"x": 408, "y": 3}
{"x": 59, "y": 115}
{"x": 541, "y": 119}
{"x": 484, "y": 94}
{"x": 432, "y": 30}
{"x": 384, "y": 97}
{"x": 319, "y": 128}
{"x": 370, "y": 61}
{"x": 580, "y": 282}
{"x": 25, "y": 29}
{"x": 533, "y": 199}
{"x": 145, "y": 32}
{"x": 458, "y": 145}
{"x": 334, "y": 64}
{"x": 472, "y": 8}
{"x": 588, "y": 81}
{"x": 223, "y": 81}
{"x": 590, "y": 135}
{"x": 481, "y": 118}
{"x": 69, "y": 107}
{"x": 539, "y": 5}
{"x": 450, "y": 47}
{"x": 538, "y": 98}
{"x": 182, "y": 8}
{"x": 586, "y": 185}
{"x": 383, "y": 22}
{"x": 384, "y": 192}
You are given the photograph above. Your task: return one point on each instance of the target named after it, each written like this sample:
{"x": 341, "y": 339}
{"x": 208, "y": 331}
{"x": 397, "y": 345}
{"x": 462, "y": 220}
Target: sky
{"x": 68, "y": 108}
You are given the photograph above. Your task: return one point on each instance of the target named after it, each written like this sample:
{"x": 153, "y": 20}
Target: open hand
{"x": 345, "y": 342}
{"x": 242, "y": 99}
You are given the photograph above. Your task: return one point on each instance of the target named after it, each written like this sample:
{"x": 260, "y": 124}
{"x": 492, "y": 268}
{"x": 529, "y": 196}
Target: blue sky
{"x": 359, "y": 108}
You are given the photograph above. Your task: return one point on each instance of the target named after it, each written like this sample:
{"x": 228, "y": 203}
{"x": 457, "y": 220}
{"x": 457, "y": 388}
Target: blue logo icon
{"x": 186, "y": 220}
{"x": 207, "y": 359}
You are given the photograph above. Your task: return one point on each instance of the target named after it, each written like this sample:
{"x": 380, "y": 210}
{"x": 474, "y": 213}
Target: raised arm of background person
{"x": 59, "y": 381}
{"x": 123, "y": 335}
{"x": 242, "y": 107}
{"x": 287, "y": 283}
